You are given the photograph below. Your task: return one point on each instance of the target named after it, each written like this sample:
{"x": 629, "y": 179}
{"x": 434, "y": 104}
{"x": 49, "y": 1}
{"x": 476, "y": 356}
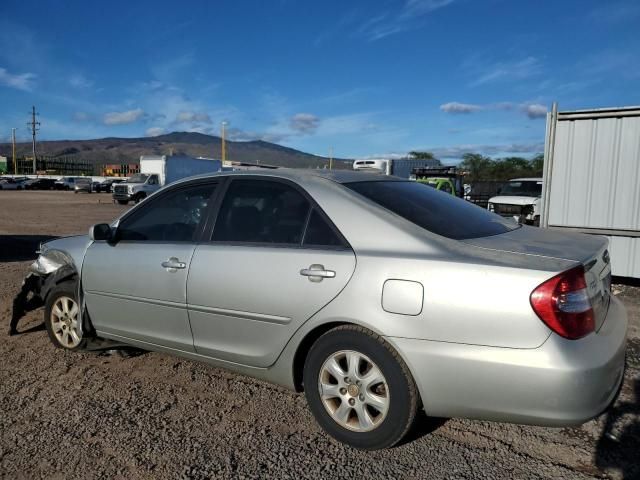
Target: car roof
{"x": 302, "y": 175}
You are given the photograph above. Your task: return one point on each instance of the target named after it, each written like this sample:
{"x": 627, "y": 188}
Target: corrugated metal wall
{"x": 594, "y": 179}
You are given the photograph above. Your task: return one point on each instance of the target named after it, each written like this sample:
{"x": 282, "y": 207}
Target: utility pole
{"x": 224, "y": 150}
{"x": 34, "y": 128}
{"x": 13, "y": 143}
{"x": 330, "y": 158}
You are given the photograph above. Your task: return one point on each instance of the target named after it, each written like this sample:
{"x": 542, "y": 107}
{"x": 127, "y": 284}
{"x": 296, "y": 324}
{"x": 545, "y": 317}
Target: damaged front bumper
{"x": 50, "y": 268}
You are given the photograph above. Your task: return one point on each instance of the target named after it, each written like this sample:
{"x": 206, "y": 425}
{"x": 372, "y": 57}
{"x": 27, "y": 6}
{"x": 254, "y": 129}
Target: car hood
{"x": 544, "y": 242}
{"x": 515, "y": 200}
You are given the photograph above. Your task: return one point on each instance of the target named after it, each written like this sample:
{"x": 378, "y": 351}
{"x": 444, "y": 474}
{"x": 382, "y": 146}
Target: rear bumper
{"x": 560, "y": 383}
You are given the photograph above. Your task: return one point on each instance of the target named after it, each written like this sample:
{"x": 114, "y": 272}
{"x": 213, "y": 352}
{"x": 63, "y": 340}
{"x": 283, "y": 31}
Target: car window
{"x": 320, "y": 234}
{"x": 261, "y": 211}
{"x": 433, "y": 210}
{"x": 173, "y": 217}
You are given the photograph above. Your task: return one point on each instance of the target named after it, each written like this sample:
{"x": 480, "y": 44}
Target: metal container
{"x": 592, "y": 179}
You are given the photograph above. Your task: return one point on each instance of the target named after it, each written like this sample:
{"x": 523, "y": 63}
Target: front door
{"x": 273, "y": 260}
{"x": 135, "y": 287}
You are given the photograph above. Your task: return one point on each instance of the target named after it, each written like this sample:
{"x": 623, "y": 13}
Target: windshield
{"x": 138, "y": 178}
{"x": 528, "y": 188}
{"x": 433, "y": 210}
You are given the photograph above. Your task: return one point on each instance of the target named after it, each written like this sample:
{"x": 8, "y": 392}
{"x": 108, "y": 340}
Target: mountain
{"x": 128, "y": 150}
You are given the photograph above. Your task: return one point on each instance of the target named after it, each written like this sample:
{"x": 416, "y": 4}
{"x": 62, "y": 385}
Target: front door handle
{"x": 317, "y": 272}
{"x": 173, "y": 264}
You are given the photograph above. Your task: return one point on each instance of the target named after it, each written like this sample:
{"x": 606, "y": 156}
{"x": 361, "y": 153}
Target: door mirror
{"x": 101, "y": 231}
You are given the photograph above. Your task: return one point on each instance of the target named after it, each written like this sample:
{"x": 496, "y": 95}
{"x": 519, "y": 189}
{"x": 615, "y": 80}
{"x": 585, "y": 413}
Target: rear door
{"x": 136, "y": 287}
{"x": 272, "y": 261}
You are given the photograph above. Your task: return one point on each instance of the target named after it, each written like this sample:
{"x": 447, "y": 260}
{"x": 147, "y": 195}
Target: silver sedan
{"x": 375, "y": 296}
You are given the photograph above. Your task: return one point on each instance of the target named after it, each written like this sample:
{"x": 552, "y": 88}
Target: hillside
{"x": 128, "y": 150}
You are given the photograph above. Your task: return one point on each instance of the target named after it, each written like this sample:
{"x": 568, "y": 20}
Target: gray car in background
{"x": 376, "y": 296}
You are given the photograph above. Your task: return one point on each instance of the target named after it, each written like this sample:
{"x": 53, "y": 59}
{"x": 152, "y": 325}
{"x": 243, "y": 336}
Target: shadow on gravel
{"x": 18, "y": 248}
{"x": 619, "y": 450}
{"x": 423, "y": 426}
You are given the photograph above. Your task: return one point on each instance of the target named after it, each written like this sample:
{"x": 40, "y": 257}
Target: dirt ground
{"x": 70, "y": 415}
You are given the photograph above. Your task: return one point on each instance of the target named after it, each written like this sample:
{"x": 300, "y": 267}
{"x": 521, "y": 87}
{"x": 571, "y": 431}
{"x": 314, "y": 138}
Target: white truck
{"x": 520, "y": 199}
{"x": 400, "y": 167}
{"x": 157, "y": 171}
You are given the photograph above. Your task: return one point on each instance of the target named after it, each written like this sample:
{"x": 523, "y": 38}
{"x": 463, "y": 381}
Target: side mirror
{"x": 100, "y": 232}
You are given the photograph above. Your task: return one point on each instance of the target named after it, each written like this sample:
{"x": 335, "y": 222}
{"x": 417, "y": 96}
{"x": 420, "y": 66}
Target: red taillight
{"x": 563, "y": 303}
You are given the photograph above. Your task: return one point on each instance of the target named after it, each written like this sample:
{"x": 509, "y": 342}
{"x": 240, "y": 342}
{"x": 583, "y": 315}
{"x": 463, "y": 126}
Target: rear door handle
{"x": 173, "y": 264}
{"x": 317, "y": 273}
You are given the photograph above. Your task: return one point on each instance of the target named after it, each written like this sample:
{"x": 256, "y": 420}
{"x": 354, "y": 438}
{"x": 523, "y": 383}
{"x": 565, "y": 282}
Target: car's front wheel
{"x": 62, "y": 319}
{"x": 359, "y": 389}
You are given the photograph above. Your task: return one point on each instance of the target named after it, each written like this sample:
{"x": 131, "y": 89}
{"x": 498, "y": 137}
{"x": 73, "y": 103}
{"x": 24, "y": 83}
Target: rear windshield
{"x": 438, "y": 212}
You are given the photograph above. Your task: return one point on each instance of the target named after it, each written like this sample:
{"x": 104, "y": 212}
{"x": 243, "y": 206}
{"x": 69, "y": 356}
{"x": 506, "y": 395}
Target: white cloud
{"x": 535, "y": 110}
{"x": 80, "y": 81}
{"x": 81, "y": 117}
{"x": 304, "y": 123}
{"x": 154, "y": 131}
{"x": 193, "y": 117}
{"x": 505, "y": 71}
{"x": 123, "y": 118}
{"x": 21, "y": 81}
{"x": 456, "y": 107}
{"x": 386, "y": 24}
{"x": 531, "y": 110}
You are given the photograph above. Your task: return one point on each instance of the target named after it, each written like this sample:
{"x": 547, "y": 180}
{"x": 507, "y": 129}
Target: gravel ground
{"x": 70, "y": 415}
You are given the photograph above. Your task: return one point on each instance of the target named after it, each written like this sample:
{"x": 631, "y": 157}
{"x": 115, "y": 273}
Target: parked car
{"x": 519, "y": 199}
{"x": 107, "y": 184}
{"x": 374, "y": 295}
{"x": 83, "y": 184}
{"x": 41, "y": 184}
{"x": 66, "y": 183}
{"x": 12, "y": 183}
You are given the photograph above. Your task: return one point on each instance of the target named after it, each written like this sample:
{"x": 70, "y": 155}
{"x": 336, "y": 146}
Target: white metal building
{"x": 592, "y": 179}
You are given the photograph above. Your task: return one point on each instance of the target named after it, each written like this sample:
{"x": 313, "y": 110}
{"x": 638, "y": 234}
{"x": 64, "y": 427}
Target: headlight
{"x": 490, "y": 207}
{"x": 130, "y": 189}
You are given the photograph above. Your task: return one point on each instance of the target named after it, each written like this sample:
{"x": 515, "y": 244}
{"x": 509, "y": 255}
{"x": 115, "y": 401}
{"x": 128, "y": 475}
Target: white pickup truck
{"x": 156, "y": 171}
{"x": 520, "y": 199}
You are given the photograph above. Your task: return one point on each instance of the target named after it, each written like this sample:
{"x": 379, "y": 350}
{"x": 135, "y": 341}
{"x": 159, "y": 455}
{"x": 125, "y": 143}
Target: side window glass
{"x": 320, "y": 234}
{"x": 259, "y": 211}
{"x": 174, "y": 217}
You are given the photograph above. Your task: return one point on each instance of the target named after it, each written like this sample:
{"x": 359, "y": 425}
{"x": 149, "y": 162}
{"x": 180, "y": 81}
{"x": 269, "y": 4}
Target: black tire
{"x": 139, "y": 197}
{"x": 123, "y": 202}
{"x": 65, "y": 289}
{"x": 402, "y": 392}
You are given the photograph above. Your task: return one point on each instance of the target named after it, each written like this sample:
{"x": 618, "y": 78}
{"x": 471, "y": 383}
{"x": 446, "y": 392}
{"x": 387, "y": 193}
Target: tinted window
{"x": 320, "y": 233}
{"x": 436, "y": 211}
{"x": 174, "y": 217}
{"x": 259, "y": 211}
{"x": 523, "y": 189}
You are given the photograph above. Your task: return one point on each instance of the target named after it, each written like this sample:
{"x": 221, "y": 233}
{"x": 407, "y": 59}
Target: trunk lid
{"x": 589, "y": 250}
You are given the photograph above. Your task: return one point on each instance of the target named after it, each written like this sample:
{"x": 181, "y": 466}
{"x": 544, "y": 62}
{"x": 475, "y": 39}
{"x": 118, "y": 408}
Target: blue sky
{"x": 366, "y": 78}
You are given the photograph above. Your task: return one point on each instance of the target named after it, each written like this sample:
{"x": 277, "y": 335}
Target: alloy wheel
{"x": 64, "y": 322}
{"x": 354, "y": 391}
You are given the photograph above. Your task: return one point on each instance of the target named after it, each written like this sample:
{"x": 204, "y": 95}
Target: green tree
{"x": 422, "y": 155}
{"x": 537, "y": 165}
{"x": 478, "y": 166}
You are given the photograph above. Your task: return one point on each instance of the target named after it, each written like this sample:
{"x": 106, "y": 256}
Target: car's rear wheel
{"x": 62, "y": 319}
{"x": 359, "y": 389}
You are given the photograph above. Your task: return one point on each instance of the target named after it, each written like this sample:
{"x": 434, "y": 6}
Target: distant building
{"x": 120, "y": 170}
{"x": 3, "y": 165}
